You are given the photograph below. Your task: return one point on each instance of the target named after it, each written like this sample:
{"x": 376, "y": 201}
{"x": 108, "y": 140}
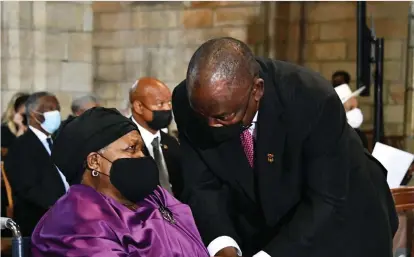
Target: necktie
{"x": 164, "y": 179}
{"x": 247, "y": 142}
{"x": 50, "y": 143}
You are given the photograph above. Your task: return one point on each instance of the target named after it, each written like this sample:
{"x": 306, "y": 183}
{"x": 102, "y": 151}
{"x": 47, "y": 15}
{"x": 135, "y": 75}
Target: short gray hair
{"x": 80, "y": 102}
{"x": 32, "y": 102}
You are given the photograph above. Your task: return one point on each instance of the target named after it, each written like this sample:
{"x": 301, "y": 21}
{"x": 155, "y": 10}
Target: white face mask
{"x": 52, "y": 121}
{"x": 355, "y": 117}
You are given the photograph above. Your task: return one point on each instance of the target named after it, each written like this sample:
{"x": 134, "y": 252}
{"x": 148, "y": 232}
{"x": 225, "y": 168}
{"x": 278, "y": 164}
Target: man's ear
{"x": 137, "y": 107}
{"x": 258, "y": 88}
{"x": 92, "y": 161}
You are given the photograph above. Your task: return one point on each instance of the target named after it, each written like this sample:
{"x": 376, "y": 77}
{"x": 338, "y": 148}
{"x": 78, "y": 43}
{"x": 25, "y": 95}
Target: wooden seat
{"x": 404, "y": 203}
{"x": 9, "y": 210}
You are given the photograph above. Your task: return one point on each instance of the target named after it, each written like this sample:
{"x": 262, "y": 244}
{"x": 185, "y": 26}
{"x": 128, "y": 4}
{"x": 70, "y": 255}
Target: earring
{"x": 95, "y": 173}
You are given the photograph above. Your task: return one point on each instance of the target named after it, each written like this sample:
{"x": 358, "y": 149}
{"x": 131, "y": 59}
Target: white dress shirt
{"x": 43, "y": 138}
{"x": 148, "y": 137}
{"x": 222, "y": 242}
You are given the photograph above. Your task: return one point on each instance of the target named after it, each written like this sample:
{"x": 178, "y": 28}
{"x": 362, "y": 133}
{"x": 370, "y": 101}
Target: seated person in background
{"x": 83, "y": 103}
{"x": 349, "y": 100}
{"x": 114, "y": 206}
{"x": 35, "y": 181}
{"x": 150, "y": 101}
{"x": 14, "y": 122}
{"x": 79, "y": 106}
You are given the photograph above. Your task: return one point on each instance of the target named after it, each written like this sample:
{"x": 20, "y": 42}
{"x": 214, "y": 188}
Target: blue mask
{"x": 52, "y": 121}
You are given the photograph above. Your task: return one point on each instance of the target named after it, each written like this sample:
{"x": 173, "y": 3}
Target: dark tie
{"x": 50, "y": 143}
{"x": 164, "y": 179}
{"x": 247, "y": 141}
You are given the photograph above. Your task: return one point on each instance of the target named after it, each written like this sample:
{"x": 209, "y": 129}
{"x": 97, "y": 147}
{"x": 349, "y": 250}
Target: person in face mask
{"x": 354, "y": 115}
{"x": 271, "y": 167}
{"x": 114, "y": 206}
{"x": 36, "y": 182}
{"x": 150, "y": 101}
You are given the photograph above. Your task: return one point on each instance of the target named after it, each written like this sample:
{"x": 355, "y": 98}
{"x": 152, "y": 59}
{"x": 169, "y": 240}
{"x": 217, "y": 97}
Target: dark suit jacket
{"x": 171, "y": 152}
{"x": 363, "y": 137}
{"x": 34, "y": 179}
{"x": 314, "y": 190}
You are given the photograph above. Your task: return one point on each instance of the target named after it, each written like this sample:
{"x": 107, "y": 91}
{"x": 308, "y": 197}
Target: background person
{"x": 35, "y": 181}
{"x": 150, "y": 101}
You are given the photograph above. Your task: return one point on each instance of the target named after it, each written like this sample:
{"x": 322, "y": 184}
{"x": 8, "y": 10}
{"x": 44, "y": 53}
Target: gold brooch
{"x": 270, "y": 158}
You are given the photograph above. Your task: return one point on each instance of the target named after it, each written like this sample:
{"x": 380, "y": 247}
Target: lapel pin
{"x": 270, "y": 158}
{"x": 165, "y": 147}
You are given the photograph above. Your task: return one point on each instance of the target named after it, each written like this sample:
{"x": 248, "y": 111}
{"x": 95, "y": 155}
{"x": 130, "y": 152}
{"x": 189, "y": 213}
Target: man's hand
{"x": 227, "y": 252}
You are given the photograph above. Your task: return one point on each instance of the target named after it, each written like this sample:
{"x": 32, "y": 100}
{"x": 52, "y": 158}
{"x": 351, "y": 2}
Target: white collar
{"x": 147, "y": 136}
{"x": 42, "y": 136}
{"x": 255, "y": 117}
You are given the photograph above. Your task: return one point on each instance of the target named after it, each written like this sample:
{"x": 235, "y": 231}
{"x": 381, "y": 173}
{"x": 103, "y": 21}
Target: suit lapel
{"x": 44, "y": 160}
{"x": 270, "y": 146}
{"x": 235, "y": 163}
{"x": 165, "y": 147}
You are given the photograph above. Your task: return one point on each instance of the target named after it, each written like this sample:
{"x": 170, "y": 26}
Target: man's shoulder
{"x": 293, "y": 80}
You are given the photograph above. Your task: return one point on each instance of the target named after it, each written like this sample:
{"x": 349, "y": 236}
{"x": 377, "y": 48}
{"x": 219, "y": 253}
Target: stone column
{"x": 16, "y": 49}
{"x": 63, "y": 49}
{"x": 409, "y": 103}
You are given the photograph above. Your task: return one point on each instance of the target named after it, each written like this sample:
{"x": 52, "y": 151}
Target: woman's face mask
{"x": 355, "y": 117}
{"x": 135, "y": 178}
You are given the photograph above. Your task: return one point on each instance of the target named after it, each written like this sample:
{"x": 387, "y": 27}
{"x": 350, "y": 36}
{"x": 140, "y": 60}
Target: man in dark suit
{"x": 271, "y": 167}
{"x": 151, "y": 111}
{"x": 35, "y": 181}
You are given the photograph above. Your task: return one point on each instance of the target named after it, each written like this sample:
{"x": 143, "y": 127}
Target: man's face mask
{"x": 52, "y": 121}
{"x": 160, "y": 119}
{"x": 135, "y": 178}
{"x": 228, "y": 132}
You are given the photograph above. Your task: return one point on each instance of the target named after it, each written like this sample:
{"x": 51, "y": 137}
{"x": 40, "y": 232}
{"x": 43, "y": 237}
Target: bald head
{"x": 226, "y": 60}
{"x": 149, "y": 98}
{"x": 223, "y": 81}
{"x": 146, "y": 87}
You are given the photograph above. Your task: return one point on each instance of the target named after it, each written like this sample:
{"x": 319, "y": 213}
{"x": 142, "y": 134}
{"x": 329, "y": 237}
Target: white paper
{"x": 396, "y": 161}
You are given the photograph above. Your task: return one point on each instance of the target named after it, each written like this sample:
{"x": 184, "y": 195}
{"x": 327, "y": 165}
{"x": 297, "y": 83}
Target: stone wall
{"x": 331, "y": 45}
{"x": 50, "y": 45}
{"x": 46, "y": 46}
{"x": 158, "y": 39}
{"x": 409, "y": 100}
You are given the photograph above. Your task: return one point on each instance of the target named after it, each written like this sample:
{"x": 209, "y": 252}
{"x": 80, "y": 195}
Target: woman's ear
{"x": 92, "y": 161}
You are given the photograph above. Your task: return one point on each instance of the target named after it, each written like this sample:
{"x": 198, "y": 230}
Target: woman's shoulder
{"x": 81, "y": 207}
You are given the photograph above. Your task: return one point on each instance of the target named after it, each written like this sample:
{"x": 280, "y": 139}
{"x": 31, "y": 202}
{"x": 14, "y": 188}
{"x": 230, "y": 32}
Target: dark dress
{"x": 7, "y": 137}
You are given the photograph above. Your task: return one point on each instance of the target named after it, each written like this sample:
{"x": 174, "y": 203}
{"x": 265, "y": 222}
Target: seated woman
{"x": 114, "y": 206}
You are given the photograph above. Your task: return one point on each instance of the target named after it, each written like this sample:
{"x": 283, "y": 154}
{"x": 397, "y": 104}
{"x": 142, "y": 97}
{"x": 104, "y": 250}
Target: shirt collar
{"x": 147, "y": 136}
{"x": 255, "y": 117}
{"x": 42, "y": 136}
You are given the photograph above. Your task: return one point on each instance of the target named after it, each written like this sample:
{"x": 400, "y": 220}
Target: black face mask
{"x": 225, "y": 133}
{"x": 160, "y": 119}
{"x": 135, "y": 178}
